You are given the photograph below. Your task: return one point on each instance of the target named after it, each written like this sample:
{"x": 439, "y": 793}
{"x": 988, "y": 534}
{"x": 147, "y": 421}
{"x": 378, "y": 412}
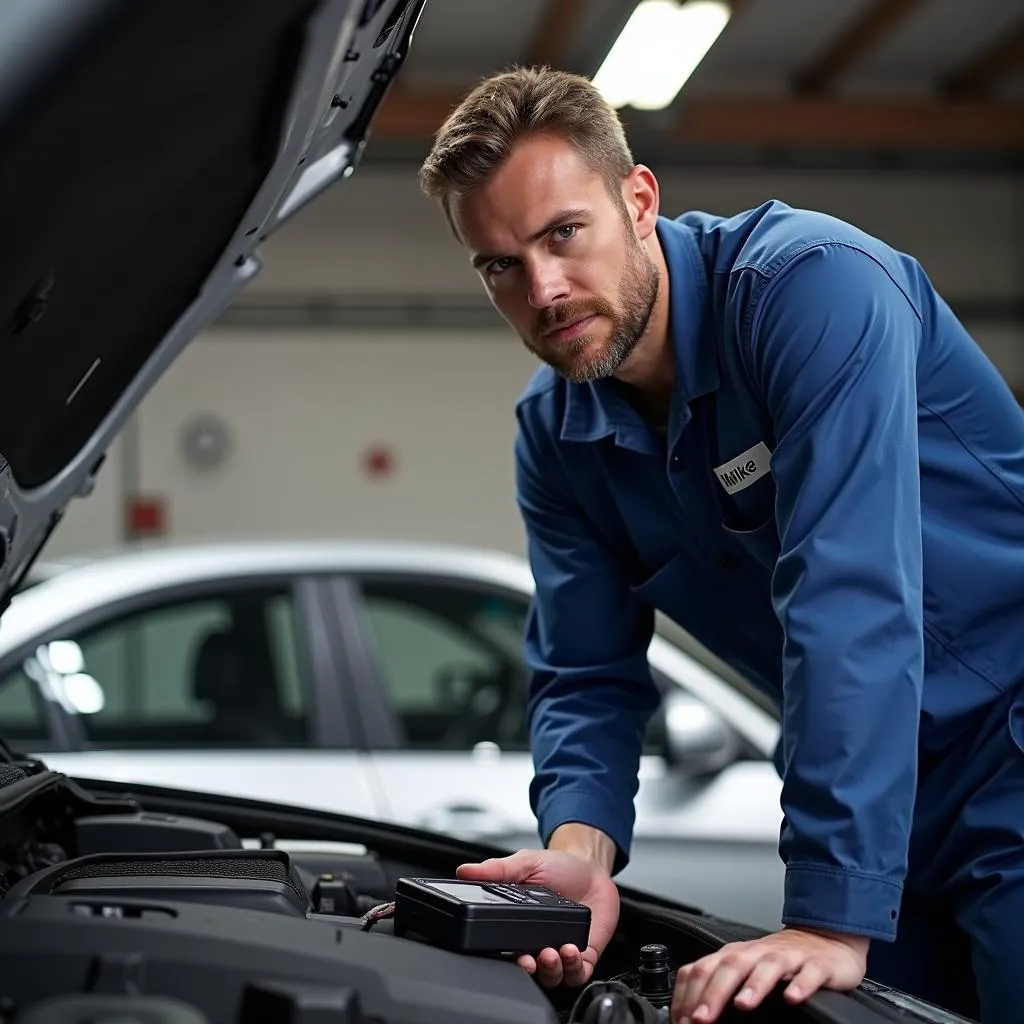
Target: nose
{"x": 547, "y": 285}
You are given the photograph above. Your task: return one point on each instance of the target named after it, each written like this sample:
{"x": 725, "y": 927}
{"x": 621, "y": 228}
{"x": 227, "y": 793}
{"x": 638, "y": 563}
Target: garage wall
{"x": 306, "y": 409}
{"x": 304, "y": 406}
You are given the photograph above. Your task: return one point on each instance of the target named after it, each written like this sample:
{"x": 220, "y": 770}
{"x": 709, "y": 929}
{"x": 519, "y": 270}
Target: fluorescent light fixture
{"x": 658, "y": 50}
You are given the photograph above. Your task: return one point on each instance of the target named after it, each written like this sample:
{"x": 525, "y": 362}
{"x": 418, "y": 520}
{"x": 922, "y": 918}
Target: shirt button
{"x": 728, "y": 560}
{"x": 677, "y": 462}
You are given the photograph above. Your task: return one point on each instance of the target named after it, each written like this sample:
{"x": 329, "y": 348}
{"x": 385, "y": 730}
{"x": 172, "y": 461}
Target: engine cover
{"x": 233, "y": 964}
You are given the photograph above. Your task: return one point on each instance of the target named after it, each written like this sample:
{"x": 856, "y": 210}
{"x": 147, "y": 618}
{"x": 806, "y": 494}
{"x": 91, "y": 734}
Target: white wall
{"x": 303, "y": 405}
{"x": 304, "y": 409}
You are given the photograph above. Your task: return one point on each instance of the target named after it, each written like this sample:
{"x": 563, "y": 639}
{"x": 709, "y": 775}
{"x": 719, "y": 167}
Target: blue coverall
{"x": 836, "y": 508}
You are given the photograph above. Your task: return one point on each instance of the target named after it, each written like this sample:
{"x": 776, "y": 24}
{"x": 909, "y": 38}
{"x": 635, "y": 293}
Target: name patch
{"x": 745, "y": 469}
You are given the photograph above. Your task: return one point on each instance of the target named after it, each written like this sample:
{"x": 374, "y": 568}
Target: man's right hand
{"x": 576, "y": 877}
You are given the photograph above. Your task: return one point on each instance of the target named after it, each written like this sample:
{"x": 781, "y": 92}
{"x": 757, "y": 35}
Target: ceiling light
{"x": 658, "y": 50}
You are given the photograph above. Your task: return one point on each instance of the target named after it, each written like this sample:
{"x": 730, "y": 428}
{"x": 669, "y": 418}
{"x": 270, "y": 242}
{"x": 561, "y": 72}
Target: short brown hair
{"x": 478, "y": 136}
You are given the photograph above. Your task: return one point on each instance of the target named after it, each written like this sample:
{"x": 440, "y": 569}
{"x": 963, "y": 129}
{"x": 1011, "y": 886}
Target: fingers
{"x": 710, "y": 995}
{"x": 527, "y": 963}
{"x": 514, "y": 868}
{"x": 709, "y": 983}
{"x": 704, "y": 987}
{"x": 767, "y": 973}
{"x": 575, "y": 970}
{"x": 691, "y": 980}
{"x": 807, "y": 981}
{"x": 549, "y": 968}
{"x": 566, "y": 965}
{"x": 493, "y": 870}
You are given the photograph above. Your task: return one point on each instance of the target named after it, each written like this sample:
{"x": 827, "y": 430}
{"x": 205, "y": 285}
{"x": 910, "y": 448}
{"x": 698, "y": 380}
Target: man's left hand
{"x": 808, "y": 959}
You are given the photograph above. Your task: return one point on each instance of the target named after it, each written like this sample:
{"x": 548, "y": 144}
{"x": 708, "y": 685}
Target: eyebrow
{"x": 558, "y": 220}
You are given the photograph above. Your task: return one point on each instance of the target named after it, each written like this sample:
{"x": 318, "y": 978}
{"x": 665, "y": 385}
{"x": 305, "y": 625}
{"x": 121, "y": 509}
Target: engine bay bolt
{"x": 655, "y": 977}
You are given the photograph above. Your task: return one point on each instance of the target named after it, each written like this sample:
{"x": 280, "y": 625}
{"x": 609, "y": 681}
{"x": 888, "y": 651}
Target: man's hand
{"x": 575, "y": 877}
{"x": 809, "y": 960}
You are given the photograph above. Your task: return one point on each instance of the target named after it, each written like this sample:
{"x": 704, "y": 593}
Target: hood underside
{"x": 146, "y": 150}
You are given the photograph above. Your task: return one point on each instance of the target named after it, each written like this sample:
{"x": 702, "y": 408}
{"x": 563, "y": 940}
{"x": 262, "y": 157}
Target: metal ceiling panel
{"x": 940, "y": 37}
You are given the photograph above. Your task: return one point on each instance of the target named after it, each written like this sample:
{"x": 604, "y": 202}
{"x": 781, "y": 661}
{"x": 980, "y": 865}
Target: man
{"x": 773, "y": 429}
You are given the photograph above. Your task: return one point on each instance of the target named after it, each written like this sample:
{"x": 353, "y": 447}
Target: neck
{"x": 650, "y": 367}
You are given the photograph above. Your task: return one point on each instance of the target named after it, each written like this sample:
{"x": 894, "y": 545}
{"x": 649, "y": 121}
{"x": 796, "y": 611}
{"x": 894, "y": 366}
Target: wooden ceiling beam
{"x": 838, "y": 124}
{"x": 977, "y": 79}
{"x": 794, "y": 122}
{"x": 555, "y": 28}
{"x": 878, "y": 21}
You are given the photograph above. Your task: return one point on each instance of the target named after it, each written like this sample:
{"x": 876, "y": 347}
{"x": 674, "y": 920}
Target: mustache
{"x": 569, "y": 312}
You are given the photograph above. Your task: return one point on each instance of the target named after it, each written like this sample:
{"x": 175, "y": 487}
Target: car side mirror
{"x": 698, "y": 740}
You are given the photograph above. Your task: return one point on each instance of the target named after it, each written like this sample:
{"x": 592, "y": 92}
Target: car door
{"x": 441, "y": 692}
{"x": 445, "y": 665}
{"x": 707, "y": 827}
{"x": 217, "y": 687}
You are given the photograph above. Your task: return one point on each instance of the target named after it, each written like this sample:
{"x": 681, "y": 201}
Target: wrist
{"x": 585, "y": 842}
{"x": 858, "y": 943}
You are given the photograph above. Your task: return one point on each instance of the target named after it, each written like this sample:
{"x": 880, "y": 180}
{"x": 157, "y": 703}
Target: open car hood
{"x": 146, "y": 150}
{"x": 151, "y": 904}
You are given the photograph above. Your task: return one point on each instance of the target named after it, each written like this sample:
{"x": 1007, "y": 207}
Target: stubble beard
{"x": 577, "y": 360}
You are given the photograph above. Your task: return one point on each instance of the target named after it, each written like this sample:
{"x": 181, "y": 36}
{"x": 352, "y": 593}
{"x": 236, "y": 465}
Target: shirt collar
{"x": 598, "y": 409}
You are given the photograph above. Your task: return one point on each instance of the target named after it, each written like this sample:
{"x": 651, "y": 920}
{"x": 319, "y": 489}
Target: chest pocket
{"x": 754, "y": 528}
{"x": 744, "y": 488}
{"x": 760, "y": 540}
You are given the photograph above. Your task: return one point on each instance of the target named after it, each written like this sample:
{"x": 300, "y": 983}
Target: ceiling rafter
{"x": 843, "y": 124}
{"x": 817, "y": 122}
{"x": 877, "y": 22}
{"x": 555, "y": 29}
{"x": 978, "y": 78}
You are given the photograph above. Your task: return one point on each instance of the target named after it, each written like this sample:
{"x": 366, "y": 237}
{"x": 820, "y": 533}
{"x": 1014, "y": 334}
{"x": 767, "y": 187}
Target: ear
{"x": 642, "y": 197}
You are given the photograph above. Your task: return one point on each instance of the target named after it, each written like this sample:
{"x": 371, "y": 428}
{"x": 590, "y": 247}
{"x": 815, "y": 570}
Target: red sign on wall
{"x": 378, "y": 461}
{"x": 145, "y": 517}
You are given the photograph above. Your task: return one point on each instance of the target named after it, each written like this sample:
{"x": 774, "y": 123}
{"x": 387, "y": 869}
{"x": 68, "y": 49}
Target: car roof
{"x": 78, "y": 586}
{"x": 69, "y": 588}
{"x": 214, "y": 558}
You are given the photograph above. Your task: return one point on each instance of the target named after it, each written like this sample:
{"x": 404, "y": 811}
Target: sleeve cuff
{"x": 829, "y": 898}
{"x": 587, "y": 809}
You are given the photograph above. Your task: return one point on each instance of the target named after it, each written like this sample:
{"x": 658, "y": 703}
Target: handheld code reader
{"x": 488, "y": 917}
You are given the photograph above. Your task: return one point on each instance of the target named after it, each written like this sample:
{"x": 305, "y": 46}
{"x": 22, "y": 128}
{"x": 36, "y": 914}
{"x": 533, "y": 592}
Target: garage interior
{"x": 348, "y": 678}
{"x": 363, "y": 386}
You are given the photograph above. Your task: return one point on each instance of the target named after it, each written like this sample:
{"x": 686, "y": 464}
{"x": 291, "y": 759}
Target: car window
{"x": 216, "y": 671}
{"x": 21, "y": 714}
{"x": 451, "y": 658}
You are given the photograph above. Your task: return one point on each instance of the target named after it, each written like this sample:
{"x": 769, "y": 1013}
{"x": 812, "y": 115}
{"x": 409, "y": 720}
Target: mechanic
{"x": 773, "y": 429}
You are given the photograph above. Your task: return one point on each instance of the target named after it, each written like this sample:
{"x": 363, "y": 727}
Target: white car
{"x": 383, "y": 680}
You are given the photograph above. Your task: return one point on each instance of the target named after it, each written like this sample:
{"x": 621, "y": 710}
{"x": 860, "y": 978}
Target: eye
{"x": 566, "y": 232}
{"x": 503, "y": 263}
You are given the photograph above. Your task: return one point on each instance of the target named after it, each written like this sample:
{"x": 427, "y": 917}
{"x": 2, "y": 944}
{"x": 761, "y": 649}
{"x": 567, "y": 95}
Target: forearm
{"x": 584, "y": 841}
{"x": 835, "y": 352}
{"x": 587, "y": 737}
{"x": 586, "y": 641}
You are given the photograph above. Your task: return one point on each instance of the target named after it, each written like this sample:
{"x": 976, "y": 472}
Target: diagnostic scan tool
{"x": 488, "y": 917}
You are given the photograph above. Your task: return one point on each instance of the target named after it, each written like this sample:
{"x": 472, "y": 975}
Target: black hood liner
{"x": 118, "y": 199}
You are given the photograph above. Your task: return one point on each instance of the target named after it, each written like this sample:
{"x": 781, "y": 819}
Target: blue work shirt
{"x": 869, "y": 573}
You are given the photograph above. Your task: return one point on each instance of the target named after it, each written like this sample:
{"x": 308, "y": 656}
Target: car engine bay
{"x": 118, "y": 906}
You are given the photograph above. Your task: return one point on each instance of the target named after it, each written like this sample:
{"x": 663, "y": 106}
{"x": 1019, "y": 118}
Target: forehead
{"x": 540, "y": 177}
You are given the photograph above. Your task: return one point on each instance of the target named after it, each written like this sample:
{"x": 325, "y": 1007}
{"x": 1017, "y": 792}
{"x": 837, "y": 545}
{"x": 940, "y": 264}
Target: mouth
{"x": 570, "y": 331}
